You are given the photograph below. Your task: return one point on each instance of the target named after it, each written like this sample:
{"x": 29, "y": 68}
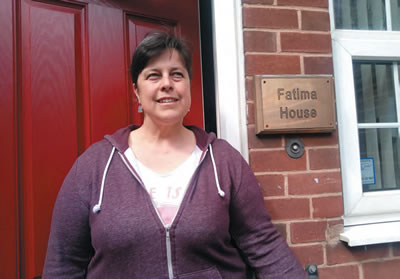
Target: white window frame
{"x": 229, "y": 74}
{"x": 370, "y": 217}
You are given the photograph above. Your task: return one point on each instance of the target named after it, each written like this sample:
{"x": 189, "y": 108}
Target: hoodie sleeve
{"x": 69, "y": 248}
{"x": 261, "y": 244}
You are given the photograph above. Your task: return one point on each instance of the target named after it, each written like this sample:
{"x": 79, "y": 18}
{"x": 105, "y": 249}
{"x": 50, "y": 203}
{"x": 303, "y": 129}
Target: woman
{"x": 163, "y": 200}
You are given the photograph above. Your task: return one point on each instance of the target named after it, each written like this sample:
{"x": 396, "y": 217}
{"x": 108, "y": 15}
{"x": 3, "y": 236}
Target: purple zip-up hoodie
{"x": 105, "y": 225}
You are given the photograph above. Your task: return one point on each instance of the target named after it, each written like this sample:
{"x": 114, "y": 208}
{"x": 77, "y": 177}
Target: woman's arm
{"x": 257, "y": 238}
{"x": 69, "y": 248}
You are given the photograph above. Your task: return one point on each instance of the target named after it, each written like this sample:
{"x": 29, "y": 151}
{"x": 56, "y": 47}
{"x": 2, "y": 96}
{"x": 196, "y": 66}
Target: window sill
{"x": 371, "y": 234}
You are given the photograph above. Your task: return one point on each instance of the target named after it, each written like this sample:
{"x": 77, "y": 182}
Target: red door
{"x": 8, "y": 187}
{"x": 65, "y": 84}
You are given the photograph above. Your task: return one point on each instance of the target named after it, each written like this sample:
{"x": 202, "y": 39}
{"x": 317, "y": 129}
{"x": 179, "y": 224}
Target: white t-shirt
{"x": 166, "y": 190}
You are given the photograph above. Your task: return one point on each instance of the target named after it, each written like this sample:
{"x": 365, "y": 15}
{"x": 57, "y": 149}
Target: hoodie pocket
{"x": 209, "y": 273}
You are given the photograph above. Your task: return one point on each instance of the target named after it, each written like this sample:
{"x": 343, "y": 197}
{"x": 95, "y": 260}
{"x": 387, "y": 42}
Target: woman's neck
{"x": 158, "y": 134}
{"x": 164, "y": 148}
{"x": 163, "y": 137}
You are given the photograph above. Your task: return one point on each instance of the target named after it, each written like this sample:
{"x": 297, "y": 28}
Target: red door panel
{"x": 49, "y": 125}
{"x": 8, "y": 195}
{"x": 108, "y": 87}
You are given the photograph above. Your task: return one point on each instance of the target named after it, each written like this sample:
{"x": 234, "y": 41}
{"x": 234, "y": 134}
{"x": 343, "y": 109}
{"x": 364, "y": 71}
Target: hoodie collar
{"x": 119, "y": 141}
{"x": 120, "y": 138}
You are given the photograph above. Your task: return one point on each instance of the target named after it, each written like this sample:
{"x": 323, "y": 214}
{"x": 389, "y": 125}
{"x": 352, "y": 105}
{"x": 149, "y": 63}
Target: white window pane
{"x": 360, "y": 14}
{"x": 395, "y": 8}
{"x": 379, "y": 154}
{"x": 375, "y": 93}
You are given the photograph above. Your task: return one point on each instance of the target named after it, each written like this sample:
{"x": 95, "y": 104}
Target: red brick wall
{"x": 303, "y": 196}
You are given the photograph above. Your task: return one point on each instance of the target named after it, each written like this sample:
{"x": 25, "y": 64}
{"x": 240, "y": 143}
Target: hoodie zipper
{"x": 167, "y": 228}
{"x": 169, "y": 256}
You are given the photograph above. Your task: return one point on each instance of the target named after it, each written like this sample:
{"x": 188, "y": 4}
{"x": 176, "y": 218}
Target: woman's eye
{"x": 152, "y": 76}
{"x": 177, "y": 74}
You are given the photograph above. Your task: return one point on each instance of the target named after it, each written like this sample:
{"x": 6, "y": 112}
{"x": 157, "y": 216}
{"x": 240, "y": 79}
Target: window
{"x": 366, "y": 56}
{"x": 378, "y": 133}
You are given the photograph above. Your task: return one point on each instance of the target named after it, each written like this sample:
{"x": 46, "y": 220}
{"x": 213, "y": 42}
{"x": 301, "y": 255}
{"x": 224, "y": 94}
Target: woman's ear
{"x": 135, "y": 89}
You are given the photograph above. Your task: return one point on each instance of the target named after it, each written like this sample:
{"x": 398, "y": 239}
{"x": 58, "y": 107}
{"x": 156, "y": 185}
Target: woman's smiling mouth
{"x": 167, "y": 100}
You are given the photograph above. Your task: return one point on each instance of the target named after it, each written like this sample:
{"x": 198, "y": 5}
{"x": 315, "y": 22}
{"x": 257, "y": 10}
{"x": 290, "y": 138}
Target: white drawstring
{"x": 97, "y": 207}
{"x": 220, "y": 192}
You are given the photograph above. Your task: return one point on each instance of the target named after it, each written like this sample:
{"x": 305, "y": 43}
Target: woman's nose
{"x": 166, "y": 83}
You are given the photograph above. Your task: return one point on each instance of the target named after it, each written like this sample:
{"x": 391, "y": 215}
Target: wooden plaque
{"x": 294, "y": 104}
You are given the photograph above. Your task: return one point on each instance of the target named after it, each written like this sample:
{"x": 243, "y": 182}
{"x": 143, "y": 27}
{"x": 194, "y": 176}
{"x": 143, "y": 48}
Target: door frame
{"x": 229, "y": 74}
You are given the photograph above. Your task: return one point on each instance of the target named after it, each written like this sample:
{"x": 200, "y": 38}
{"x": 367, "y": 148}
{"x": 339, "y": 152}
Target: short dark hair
{"x": 154, "y": 45}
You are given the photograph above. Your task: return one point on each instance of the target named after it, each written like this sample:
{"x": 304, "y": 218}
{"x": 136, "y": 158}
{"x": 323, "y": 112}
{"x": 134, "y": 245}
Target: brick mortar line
{"x": 302, "y": 70}
{"x": 332, "y": 219}
{"x": 306, "y": 244}
{"x": 373, "y": 260}
{"x": 271, "y": 53}
{"x": 308, "y": 9}
{"x": 301, "y": 31}
{"x": 287, "y": 239}
{"x": 313, "y": 220}
{"x": 295, "y": 172}
{"x": 289, "y": 222}
{"x": 278, "y": 42}
{"x": 325, "y": 265}
{"x": 309, "y": 53}
{"x": 305, "y": 196}
{"x": 289, "y": 234}
{"x": 308, "y": 163}
{"x": 284, "y": 7}
{"x": 351, "y": 264}
{"x": 318, "y": 55}
{"x": 385, "y": 259}
{"x": 318, "y": 147}
{"x": 282, "y": 148}
{"x": 286, "y": 185}
{"x": 278, "y": 30}
{"x": 322, "y": 242}
{"x": 332, "y": 146}
{"x": 306, "y": 54}
{"x": 327, "y": 195}
{"x": 324, "y": 253}
{"x": 310, "y": 204}
{"x": 299, "y": 19}
{"x": 336, "y": 265}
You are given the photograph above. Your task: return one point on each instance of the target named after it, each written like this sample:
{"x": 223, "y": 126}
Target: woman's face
{"x": 163, "y": 88}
